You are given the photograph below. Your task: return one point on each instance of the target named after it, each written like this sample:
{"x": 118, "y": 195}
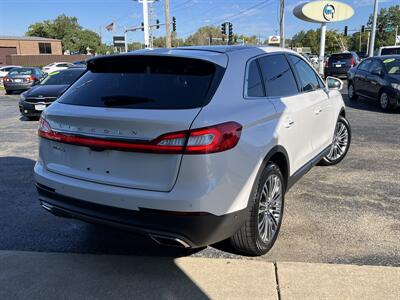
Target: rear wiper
{"x": 120, "y": 100}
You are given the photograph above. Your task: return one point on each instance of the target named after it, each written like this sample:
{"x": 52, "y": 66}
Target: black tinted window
{"x": 21, "y": 71}
{"x": 365, "y": 65}
{"x": 376, "y": 66}
{"x": 390, "y": 51}
{"x": 254, "y": 83}
{"x": 145, "y": 82}
{"x": 62, "y": 77}
{"x": 278, "y": 76}
{"x": 307, "y": 76}
{"x": 342, "y": 57}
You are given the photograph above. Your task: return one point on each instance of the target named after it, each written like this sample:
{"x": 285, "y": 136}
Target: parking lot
{"x": 344, "y": 214}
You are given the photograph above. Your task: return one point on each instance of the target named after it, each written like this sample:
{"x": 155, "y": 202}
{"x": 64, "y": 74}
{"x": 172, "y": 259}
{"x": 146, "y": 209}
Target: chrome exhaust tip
{"x": 169, "y": 241}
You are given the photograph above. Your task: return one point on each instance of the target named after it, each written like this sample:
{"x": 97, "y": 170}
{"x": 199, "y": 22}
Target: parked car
{"x": 389, "y": 50}
{"x": 5, "y": 69}
{"x": 80, "y": 63}
{"x": 20, "y": 79}
{"x": 340, "y": 63}
{"x": 208, "y": 155}
{"x": 35, "y": 100}
{"x": 377, "y": 78}
{"x": 57, "y": 67}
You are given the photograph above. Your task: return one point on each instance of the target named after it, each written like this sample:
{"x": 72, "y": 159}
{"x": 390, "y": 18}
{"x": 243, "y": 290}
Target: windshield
{"x": 62, "y": 77}
{"x": 146, "y": 82}
{"x": 21, "y": 71}
{"x": 392, "y": 65}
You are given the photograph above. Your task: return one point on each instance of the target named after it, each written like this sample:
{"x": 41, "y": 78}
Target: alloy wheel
{"x": 351, "y": 91}
{"x": 269, "y": 211}
{"x": 340, "y": 142}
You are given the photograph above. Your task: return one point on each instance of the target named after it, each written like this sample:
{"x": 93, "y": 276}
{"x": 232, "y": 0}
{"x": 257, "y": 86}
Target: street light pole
{"x": 282, "y": 23}
{"x": 373, "y": 33}
{"x": 145, "y": 22}
{"x": 322, "y": 49}
{"x": 167, "y": 25}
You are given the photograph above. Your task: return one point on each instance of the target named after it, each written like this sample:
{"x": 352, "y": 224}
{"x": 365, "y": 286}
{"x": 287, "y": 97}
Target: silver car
{"x": 190, "y": 146}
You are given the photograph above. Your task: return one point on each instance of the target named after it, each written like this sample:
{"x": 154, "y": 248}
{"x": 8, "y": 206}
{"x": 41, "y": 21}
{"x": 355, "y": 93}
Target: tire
{"x": 340, "y": 144}
{"x": 384, "y": 101}
{"x": 249, "y": 240}
{"x": 352, "y": 93}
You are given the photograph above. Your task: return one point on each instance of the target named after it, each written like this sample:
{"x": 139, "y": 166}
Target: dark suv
{"x": 340, "y": 63}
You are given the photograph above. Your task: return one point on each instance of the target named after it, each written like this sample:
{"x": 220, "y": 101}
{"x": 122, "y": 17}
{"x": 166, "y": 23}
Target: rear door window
{"x": 145, "y": 82}
{"x": 365, "y": 65}
{"x": 278, "y": 76}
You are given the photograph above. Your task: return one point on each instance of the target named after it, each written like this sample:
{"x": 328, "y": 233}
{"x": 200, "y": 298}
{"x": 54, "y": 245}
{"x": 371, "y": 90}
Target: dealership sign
{"x": 323, "y": 11}
{"x": 274, "y": 40}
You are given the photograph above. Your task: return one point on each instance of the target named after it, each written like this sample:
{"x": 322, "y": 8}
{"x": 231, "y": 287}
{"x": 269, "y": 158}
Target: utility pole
{"x": 168, "y": 43}
{"x": 322, "y": 49}
{"x": 151, "y": 22}
{"x": 145, "y": 22}
{"x": 282, "y": 23}
{"x": 373, "y": 34}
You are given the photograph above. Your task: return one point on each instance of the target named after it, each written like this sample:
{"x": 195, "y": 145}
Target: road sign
{"x": 274, "y": 40}
{"x": 323, "y": 11}
{"x": 389, "y": 29}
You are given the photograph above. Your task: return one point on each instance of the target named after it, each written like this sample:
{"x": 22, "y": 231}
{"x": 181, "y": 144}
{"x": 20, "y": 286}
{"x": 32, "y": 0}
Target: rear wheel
{"x": 260, "y": 231}
{"x": 340, "y": 144}
{"x": 351, "y": 92}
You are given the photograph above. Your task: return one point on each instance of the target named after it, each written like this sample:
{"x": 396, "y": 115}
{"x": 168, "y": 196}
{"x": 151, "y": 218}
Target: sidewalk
{"x": 29, "y": 275}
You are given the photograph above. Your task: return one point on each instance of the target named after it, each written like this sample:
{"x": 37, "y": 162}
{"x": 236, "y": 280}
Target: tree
{"x": 311, "y": 38}
{"x": 67, "y": 29}
{"x": 387, "y": 17}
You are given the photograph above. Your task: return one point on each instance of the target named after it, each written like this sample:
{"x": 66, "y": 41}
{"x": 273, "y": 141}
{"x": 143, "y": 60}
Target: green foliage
{"x": 387, "y": 17}
{"x": 68, "y": 30}
{"x": 311, "y": 38}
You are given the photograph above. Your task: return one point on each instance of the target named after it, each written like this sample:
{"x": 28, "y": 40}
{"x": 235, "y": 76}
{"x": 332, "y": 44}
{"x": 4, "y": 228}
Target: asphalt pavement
{"x": 347, "y": 214}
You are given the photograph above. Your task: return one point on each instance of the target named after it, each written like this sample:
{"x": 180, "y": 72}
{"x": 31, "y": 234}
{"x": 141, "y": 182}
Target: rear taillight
{"x": 353, "y": 62}
{"x": 31, "y": 78}
{"x": 211, "y": 139}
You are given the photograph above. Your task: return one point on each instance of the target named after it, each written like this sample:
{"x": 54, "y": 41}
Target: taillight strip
{"x": 219, "y": 138}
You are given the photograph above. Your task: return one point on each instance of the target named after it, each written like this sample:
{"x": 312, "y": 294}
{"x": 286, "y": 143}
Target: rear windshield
{"x": 145, "y": 82}
{"x": 343, "y": 56}
{"x": 390, "y": 51}
{"x": 62, "y": 77}
{"x": 21, "y": 71}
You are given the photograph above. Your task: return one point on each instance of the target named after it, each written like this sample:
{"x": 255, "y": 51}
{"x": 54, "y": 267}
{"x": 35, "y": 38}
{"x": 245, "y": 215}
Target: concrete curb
{"x": 32, "y": 275}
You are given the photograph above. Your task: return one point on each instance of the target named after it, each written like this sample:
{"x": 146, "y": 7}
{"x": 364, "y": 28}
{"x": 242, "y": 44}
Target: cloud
{"x": 360, "y": 3}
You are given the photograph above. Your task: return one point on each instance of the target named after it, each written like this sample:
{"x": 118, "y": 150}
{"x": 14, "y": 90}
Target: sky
{"x": 249, "y": 17}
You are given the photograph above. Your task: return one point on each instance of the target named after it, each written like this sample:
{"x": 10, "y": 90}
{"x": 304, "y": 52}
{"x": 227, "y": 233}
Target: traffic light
{"x": 223, "y": 28}
{"x": 230, "y": 32}
{"x": 157, "y": 24}
{"x": 346, "y": 29}
{"x": 142, "y": 26}
{"x": 363, "y": 29}
{"x": 173, "y": 24}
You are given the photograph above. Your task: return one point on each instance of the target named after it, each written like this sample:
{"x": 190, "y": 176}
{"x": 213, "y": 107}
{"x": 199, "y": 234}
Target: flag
{"x": 110, "y": 27}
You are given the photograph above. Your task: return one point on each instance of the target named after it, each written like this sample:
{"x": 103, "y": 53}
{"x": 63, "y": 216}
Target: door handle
{"x": 318, "y": 110}
{"x": 288, "y": 123}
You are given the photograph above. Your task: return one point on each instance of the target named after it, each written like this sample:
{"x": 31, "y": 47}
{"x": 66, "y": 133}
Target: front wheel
{"x": 340, "y": 144}
{"x": 260, "y": 231}
{"x": 384, "y": 101}
{"x": 352, "y": 93}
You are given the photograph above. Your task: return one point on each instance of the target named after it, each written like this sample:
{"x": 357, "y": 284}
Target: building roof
{"x": 26, "y": 38}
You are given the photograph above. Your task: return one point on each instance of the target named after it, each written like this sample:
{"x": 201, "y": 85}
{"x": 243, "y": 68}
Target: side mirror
{"x": 334, "y": 83}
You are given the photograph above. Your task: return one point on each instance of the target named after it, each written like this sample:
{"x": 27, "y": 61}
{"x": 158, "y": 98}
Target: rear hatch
{"x": 344, "y": 60}
{"x": 128, "y": 99}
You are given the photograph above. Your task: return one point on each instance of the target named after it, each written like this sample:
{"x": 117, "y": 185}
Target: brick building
{"x": 27, "y": 45}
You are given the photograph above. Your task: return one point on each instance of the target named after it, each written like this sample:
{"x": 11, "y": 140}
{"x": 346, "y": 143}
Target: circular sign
{"x": 323, "y": 11}
{"x": 329, "y": 12}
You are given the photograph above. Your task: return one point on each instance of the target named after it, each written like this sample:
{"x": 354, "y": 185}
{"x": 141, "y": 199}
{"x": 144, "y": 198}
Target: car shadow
{"x": 365, "y": 104}
{"x": 26, "y": 226}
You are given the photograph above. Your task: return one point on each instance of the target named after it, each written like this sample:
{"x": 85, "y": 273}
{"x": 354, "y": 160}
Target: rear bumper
{"x": 337, "y": 72}
{"x": 27, "y": 109}
{"x": 192, "y": 230}
{"x": 17, "y": 87}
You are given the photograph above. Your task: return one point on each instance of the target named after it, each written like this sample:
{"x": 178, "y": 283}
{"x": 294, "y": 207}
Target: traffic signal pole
{"x": 373, "y": 33}
{"x": 168, "y": 43}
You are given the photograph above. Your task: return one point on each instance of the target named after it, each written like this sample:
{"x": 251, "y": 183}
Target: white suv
{"x": 190, "y": 146}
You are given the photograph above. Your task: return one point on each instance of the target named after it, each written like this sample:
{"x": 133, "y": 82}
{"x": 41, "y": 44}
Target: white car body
{"x": 53, "y": 67}
{"x": 4, "y": 71}
{"x": 298, "y": 128}
{"x": 389, "y": 50}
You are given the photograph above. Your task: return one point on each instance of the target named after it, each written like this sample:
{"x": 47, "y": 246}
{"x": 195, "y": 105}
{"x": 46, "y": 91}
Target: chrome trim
{"x": 156, "y": 238}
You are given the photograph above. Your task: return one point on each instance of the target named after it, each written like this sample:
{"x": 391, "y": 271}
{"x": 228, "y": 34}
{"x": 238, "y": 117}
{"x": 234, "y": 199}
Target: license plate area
{"x": 40, "y": 107}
